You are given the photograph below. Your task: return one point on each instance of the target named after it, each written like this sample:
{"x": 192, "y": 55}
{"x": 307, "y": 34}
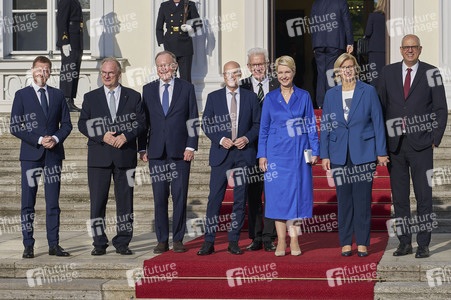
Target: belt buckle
{"x": 175, "y": 28}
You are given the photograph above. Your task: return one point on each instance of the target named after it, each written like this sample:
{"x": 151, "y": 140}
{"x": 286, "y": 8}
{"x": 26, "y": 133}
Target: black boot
{"x": 71, "y": 105}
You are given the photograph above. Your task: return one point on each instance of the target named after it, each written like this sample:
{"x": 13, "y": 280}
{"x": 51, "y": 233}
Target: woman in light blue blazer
{"x": 287, "y": 128}
{"x": 352, "y": 141}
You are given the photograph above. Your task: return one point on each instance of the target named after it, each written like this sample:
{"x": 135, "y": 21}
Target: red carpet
{"x": 301, "y": 277}
{"x": 320, "y": 256}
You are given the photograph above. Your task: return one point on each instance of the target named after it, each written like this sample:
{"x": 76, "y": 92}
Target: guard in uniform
{"x": 70, "y": 40}
{"x": 176, "y": 13}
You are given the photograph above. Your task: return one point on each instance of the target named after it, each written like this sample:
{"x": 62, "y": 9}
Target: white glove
{"x": 66, "y": 50}
{"x": 186, "y": 27}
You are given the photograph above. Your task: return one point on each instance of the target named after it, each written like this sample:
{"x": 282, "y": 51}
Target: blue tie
{"x": 45, "y": 106}
{"x": 165, "y": 99}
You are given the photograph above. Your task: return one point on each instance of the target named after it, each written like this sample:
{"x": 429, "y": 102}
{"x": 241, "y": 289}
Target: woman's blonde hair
{"x": 340, "y": 60}
{"x": 380, "y": 7}
{"x": 287, "y": 61}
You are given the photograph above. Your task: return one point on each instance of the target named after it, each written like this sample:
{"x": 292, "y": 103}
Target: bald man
{"x": 231, "y": 120}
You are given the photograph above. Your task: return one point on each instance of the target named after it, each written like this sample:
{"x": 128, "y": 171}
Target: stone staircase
{"x": 100, "y": 279}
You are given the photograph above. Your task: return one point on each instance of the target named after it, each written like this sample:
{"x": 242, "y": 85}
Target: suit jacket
{"x": 247, "y": 84}
{"x": 425, "y": 105}
{"x": 69, "y": 21}
{"x": 169, "y": 132}
{"x": 29, "y": 123}
{"x": 364, "y": 132}
{"x": 341, "y": 35}
{"x": 95, "y": 120}
{"x": 375, "y": 30}
{"x": 216, "y": 124}
{"x": 176, "y": 41}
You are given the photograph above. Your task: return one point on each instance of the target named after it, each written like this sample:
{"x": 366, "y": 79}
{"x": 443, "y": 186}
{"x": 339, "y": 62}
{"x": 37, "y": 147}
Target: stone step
{"x": 13, "y": 288}
{"x": 411, "y": 291}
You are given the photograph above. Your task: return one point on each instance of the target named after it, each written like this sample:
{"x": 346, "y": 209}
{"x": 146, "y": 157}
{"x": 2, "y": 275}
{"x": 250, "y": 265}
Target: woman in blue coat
{"x": 287, "y": 128}
{"x": 352, "y": 139}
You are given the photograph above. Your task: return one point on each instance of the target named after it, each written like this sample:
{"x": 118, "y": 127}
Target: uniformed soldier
{"x": 70, "y": 40}
{"x": 176, "y": 13}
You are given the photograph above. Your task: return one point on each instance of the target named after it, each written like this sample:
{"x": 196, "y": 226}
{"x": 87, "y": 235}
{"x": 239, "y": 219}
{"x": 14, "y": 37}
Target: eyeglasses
{"x": 167, "y": 66}
{"x": 407, "y": 48}
{"x": 230, "y": 74}
{"x": 110, "y": 74}
{"x": 347, "y": 68}
{"x": 258, "y": 65}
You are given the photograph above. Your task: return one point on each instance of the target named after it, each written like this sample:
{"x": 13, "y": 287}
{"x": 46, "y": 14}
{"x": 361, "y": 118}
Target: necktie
{"x": 44, "y": 104}
{"x": 165, "y": 99}
{"x": 233, "y": 115}
{"x": 112, "y": 105}
{"x": 407, "y": 83}
{"x": 261, "y": 94}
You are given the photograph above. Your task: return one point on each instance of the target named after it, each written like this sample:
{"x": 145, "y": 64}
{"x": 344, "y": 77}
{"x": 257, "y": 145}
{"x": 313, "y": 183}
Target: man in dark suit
{"x": 170, "y": 105}
{"x": 69, "y": 20}
{"x": 231, "y": 120}
{"x": 40, "y": 118}
{"x": 414, "y": 104}
{"x": 261, "y": 84}
{"x": 112, "y": 118}
{"x": 176, "y": 13}
{"x": 328, "y": 45}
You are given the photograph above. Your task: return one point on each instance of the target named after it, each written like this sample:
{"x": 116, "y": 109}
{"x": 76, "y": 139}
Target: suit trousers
{"x": 325, "y": 58}
{"x": 406, "y": 161}
{"x": 354, "y": 187}
{"x": 31, "y": 175}
{"x": 185, "y": 64}
{"x": 255, "y": 212}
{"x": 170, "y": 176}
{"x": 70, "y": 72}
{"x": 99, "y": 180}
{"x": 218, "y": 185}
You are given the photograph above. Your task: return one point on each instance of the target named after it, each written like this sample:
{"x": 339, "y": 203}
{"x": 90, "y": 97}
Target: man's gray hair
{"x": 257, "y": 51}
{"x": 174, "y": 58}
{"x": 111, "y": 59}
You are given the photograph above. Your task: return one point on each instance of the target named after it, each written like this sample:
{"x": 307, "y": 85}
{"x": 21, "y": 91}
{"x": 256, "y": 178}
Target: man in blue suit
{"x": 40, "y": 118}
{"x": 231, "y": 120}
{"x": 170, "y": 105}
{"x": 112, "y": 118}
{"x": 329, "y": 44}
{"x": 415, "y": 110}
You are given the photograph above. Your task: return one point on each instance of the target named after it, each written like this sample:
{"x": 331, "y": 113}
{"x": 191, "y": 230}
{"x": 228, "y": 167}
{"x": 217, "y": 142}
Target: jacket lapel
{"x": 103, "y": 102}
{"x": 175, "y": 95}
{"x": 36, "y": 101}
{"x": 51, "y": 101}
{"x": 358, "y": 92}
{"x": 338, "y": 102}
{"x": 399, "y": 84}
{"x": 155, "y": 101}
{"x": 122, "y": 100}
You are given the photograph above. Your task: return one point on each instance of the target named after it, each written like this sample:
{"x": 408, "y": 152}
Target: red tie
{"x": 407, "y": 83}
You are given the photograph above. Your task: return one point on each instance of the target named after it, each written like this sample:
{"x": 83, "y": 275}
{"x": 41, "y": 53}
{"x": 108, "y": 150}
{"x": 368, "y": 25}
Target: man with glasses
{"x": 170, "y": 138}
{"x": 112, "y": 118}
{"x": 231, "y": 120}
{"x": 261, "y": 84}
{"x": 415, "y": 110}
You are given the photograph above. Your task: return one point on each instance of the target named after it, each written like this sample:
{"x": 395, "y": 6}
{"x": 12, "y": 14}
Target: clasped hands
{"x": 240, "y": 143}
{"x": 115, "y": 141}
{"x": 48, "y": 142}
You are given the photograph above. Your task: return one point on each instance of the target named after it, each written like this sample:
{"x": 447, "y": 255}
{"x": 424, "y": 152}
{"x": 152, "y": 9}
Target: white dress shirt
{"x": 265, "y": 85}
{"x": 117, "y": 95}
{"x": 38, "y": 94}
{"x": 412, "y": 74}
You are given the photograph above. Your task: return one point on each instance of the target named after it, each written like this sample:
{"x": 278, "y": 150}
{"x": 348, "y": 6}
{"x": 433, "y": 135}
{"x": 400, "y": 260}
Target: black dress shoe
{"x": 58, "y": 251}
{"x": 178, "y": 247}
{"x": 362, "y": 254}
{"x": 206, "y": 249}
{"x": 403, "y": 249}
{"x": 346, "y": 253}
{"x": 422, "y": 252}
{"x": 234, "y": 249}
{"x": 161, "y": 247}
{"x": 98, "y": 251}
{"x": 269, "y": 246}
{"x": 28, "y": 252}
{"x": 124, "y": 250}
{"x": 71, "y": 105}
{"x": 255, "y": 246}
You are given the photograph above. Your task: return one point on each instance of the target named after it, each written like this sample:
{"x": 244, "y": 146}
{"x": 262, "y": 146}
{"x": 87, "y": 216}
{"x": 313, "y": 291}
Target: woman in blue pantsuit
{"x": 352, "y": 139}
{"x": 287, "y": 128}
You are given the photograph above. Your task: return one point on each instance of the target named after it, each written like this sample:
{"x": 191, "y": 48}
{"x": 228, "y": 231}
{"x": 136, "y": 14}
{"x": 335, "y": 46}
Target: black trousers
{"x": 70, "y": 72}
{"x": 325, "y": 58}
{"x": 99, "y": 180}
{"x": 185, "y": 63}
{"x": 404, "y": 162}
{"x": 255, "y": 214}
